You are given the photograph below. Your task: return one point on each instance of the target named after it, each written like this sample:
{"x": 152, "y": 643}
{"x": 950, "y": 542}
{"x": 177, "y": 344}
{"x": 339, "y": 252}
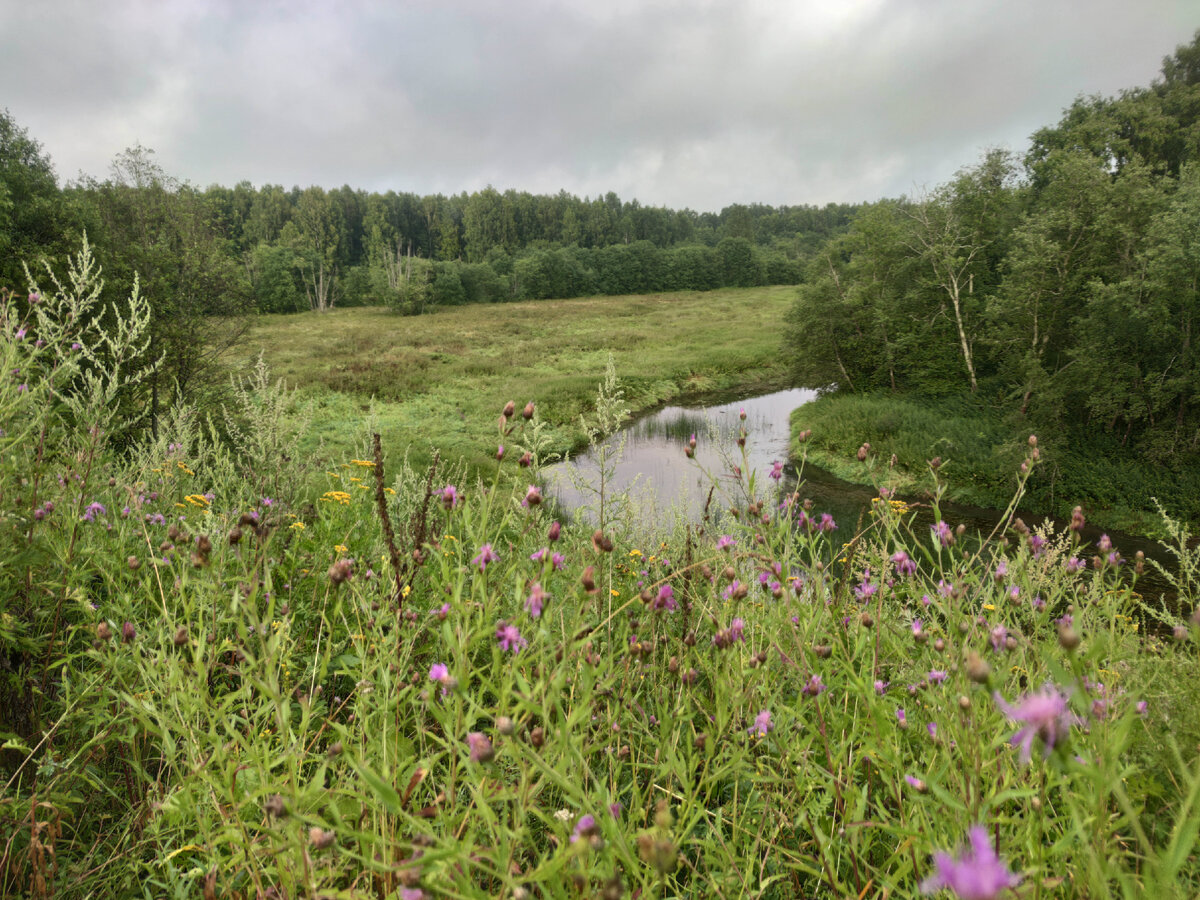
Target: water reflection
{"x": 652, "y": 458}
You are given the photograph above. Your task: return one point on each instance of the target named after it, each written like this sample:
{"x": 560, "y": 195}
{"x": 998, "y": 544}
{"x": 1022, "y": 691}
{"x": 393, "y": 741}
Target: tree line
{"x": 1063, "y": 287}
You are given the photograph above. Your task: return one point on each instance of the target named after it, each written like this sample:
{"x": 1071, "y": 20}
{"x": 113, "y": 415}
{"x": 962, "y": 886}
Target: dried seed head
{"x": 964, "y": 702}
{"x": 863, "y": 451}
{"x": 537, "y": 737}
{"x": 527, "y": 412}
{"x": 320, "y": 838}
{"x": 505, "y": 726}
{"x": 335, "y": 749}
{"x": 1067, "y": 637}
{"x": 822, "y": 650}
{"x": 275, "y": 808}
{"x": 134, "y": 563}
{"x": 103, "y": 632}
{"x": 181, "y": 636}
{"x": 203, "y": 545}
{"x": 977, "y": 668}
{"x": 235, "y": 535}
{"x": 128, "y": 633}
{"x": 509, "y": 409}
{"x": 341, "y": 571}
{"x": 588, "y": 580}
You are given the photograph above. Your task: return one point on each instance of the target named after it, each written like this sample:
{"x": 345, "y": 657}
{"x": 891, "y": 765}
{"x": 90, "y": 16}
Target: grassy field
{"x": 439, "y": 380}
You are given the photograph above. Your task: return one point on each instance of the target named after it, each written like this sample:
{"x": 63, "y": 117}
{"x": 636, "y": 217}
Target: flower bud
{"x": 977, "y": 668}
{"x": 863, "y": 451}
{"x": 103, "y": 632}
{"x": 128, "y": 633}
{"x": 527, "y": 412}
{"x": 505, "y": 726}
{"x": 509, "y": 409}
{"x": 320, "y": 838}
{"x": 555, "y": 531}
{"x": 340, "y": 571}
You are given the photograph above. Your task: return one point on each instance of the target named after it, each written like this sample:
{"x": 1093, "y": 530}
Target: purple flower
{"x": 536, "y": 600}
{"x": 932, "y": 729}
{"x": 737, "y": 629}
{"x": 945, "y": 588}
{"x": 1037, "y": 544}
{"x": 93, "y": 510}
{"x": 903, "y": 563}
{"x": 585, "y": 828}
{"x": 936, "y": 676}
{"x": 1104, "y": 544}
{"x": 827, "y": 523}
{"x": 881, "y": 687}
{"x": 439, "y": 672}
{"x": 1001, "y": 570}
{"x": 665, "y": 601}
{"x": 450, "y": 496}
{"x": 486, "y": 555}
{"x": 977, "y": 874}
{"x": 267, "y": 501}
{"x": 481, "y": 747}
{"x": 556, "y": 561}
{"x": 900, "y": 717}
{"x": 510, "y": 638}
{"x": 776, "y": 470}
{"x": 998, "y": 636}
{"x": 533, "y": 496}
{"x": 762, "y": 724}
{"x": 942, "y": 532}
{"x": 1044, "y": 714}
{"x": 725, "y": 541}
{"x": 539, "y": 556}
{"x": 1074, "y": 564}
{"x": 814, "y": 687}
{"x": 865, "y": 590}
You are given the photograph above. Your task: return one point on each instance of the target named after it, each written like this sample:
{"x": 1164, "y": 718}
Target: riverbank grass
{"x": 979, "y": 454}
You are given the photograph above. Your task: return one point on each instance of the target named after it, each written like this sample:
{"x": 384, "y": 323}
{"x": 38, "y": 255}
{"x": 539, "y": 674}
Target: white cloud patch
{"x": 695, "y": 104}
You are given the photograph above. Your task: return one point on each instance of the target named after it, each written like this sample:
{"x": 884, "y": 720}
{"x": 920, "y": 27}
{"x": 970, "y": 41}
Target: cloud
{"x": 695, "y": 104}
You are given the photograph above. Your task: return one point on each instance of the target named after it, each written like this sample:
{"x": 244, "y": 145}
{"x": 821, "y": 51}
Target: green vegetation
{"x": 223, "y": 680}
{"x": 980, "y": 456}
{"x": 435, "y": 382}
{"x": 1060, "y": 297}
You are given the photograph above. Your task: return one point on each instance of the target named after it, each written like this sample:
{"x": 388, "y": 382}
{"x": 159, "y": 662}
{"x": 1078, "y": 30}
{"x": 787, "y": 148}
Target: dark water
{"x": 666, "y": 483}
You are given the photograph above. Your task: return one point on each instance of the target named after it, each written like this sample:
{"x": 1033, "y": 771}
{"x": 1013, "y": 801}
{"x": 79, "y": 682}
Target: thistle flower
{"x": 450, "y": 496}
{"x": 776, "y": 472}
{"x": 665, "y": 600}
{"x": 827, "y": 523}
{"x": 536, "y": 600}
{"x": 977, "y": 874}
{"x": 555, "y": 530}
{"x": 814, "y": 687}
{"x": 903, "y": 563}
{"x": 762, "y": 724}
{"x": 943, "y": 533}
{"x": 510, "y": 638}
{"x": 480, "y": 746}
{"x": 533, "y": 496}
{"x": 585, "y": 828}
{"x": 486, "y": 555}
{"x": 1044, "y": 714}
{"x": 439, "y": 672}
{"x": 725, "y": 542}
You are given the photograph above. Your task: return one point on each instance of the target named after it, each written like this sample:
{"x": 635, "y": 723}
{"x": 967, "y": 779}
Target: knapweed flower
{"x": 539, "y": 556}
{"x": 943, "y": 533}
{"x": 585, "y": 828}
{"x": 881, "y": 687}
{"x": 1045, "y": 714}
{"x": 826, "y": 523}
{"x": 725, "y": 541}
{"x": 481, "y": 747}
{"x": 936, "y": 676}
{"x": 1037, "y": 544}
{"x": 450, "y": 496}
{"x": 486, "y": 555}
{"x": 439, "y": 672}
{"x": 556, "y": 561}
{"x": 866, "y": 590}
{"x": 1074, "y": 564}
{"x": 737, "y": 629}
{"x": 536, "y": 600}
{"x": 510, "y": 638}
{"x": 814, "y": 687}
{"x": 1001, "y": 570}
{"x": 998, "y": 636}
{"x": 977, "y": 874}
{"x": 533, "y": 496}
{"x": 903, "y": 563}
{"x": 901, "y": 717}
{"x": 93, "y": 510}
{"x": 665, "y": 600}
{"x": 762, "y": 724}
{"x": 776, "y": 472}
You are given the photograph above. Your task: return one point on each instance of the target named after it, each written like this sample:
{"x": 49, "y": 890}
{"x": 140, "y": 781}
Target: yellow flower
{"x": 196, "y": 499}
{"x": 407, "y": 590}
{"x": 635, "y": 552}
{"x": 341, "y": 548}
{"x": 990, "y": 607}
{"x": 299, "y": 526}
{"x": 389, "y": 491}
{"x": 336, "y": 497}
{"x": 365, "y": 463}
{"x": 615, "y": 592}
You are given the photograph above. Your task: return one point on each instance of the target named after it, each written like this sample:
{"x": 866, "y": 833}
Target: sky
{"x": 682, "y": 104}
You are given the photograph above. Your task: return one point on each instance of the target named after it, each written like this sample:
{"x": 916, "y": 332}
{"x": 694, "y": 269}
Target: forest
{"x": 1060, "y": 289}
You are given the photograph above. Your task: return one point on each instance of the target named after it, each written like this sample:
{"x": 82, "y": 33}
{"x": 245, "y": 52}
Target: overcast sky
{"x": 683, "y": 104}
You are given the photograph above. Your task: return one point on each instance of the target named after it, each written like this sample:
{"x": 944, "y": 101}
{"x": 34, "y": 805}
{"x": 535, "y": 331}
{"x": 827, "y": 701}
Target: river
{"x": 648, "y": 461}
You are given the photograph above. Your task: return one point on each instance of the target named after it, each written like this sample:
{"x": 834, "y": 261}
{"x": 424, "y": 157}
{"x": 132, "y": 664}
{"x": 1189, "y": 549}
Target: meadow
{"x": 433, "y": 379}
{"x": 233, "y": 675}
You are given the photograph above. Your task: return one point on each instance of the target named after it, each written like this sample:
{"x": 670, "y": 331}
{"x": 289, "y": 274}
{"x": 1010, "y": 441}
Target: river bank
{"x": 979, "y": 457}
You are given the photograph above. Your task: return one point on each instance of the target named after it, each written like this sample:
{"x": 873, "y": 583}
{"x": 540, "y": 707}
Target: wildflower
{"x": 725, "y": 541}
{"x": 942, "y": 532}
{"x": 266, "y": 501}
{"x": 932, "y": 729}
{"x": 936, "y": 676}
{"x": 735, "y": 591}
{"x": 450, "y": 497}
{"x": 539, "y": 556}
{"x": 904, "y": 564}
{"x": 736, "y": 629}
{"x": 510, "y": 638}
{"x": 1037, "y": 544}
{"x": 998, "y": 636}
{"x": 945, "y": 588}
{"x": 827, "y": 523}
{"x": 977, "y": 874}
{"x": 881, "y": 687}
{"x": 93, "y": 510}
{"x": 1001, "y": 570}
{"x": 1074, "y": 564}
{"x": 1104, "y": 544}
{"x": 814, "y": 687}
{"x": 901, "y": 717}
{"x": 585, "y": 828}
{"x": 1044, "y": 714}
{"x": 918, "y": 630}
{"x": 665, "y": 600}
{"x": 865, "y": 590}
{"x": 486, "y": 555}
{"x": 481, "y": 747}
{"x": 917, "y": 784}
{"x": 556, "y": 561}
{"x": 500, "y": 453}
{"x": 554, "y": 532}
{"x": 762, "y": 724}
{"x": 439, "y": 672}
{"x": 536, "y": 600}
{"x": 128, "y": 633}
{"x": 533, "y": 496}
{"x": 776, "y": 470}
